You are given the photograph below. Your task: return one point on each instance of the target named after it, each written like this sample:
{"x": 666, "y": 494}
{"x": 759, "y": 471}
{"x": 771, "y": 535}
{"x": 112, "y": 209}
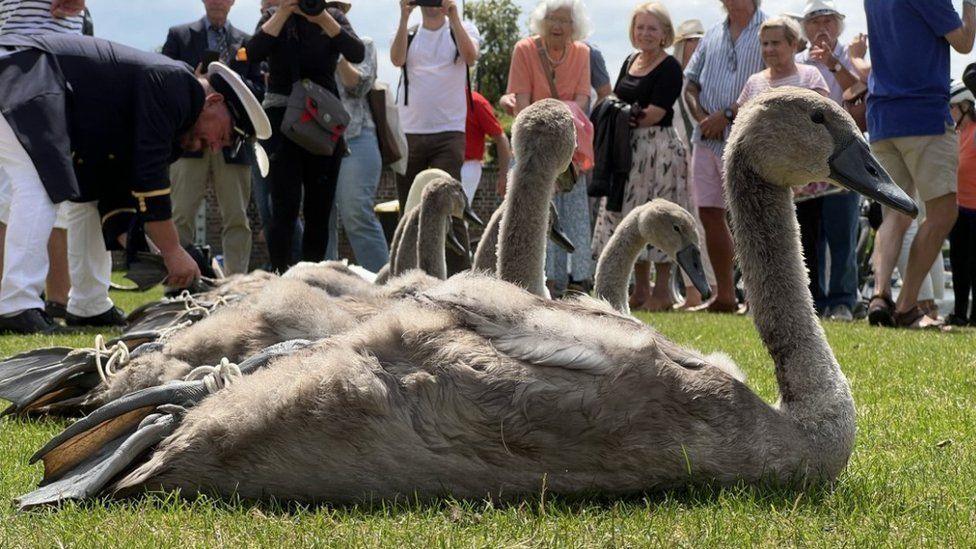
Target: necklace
{"x": 554, "y": 62}
{"x": 640, "y": 66}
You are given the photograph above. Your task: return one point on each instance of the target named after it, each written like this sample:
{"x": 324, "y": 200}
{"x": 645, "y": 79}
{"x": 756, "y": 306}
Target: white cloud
{"x": 143, "y": 24}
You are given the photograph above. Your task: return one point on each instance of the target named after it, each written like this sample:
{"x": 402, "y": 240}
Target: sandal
{"x": 881, "y": 311}
{"x": 916, "y": 319}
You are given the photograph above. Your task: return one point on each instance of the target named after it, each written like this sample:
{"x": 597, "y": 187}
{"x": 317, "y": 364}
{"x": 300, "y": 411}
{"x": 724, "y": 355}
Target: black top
{"x": 188, "y": 43}
{"x": 661, "y": 87}
{"x": 125, "y": 110}
{"x": 317, "y": 54}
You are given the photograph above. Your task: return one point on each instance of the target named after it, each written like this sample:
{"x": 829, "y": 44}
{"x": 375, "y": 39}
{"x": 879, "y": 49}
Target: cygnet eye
{"x": 817, "y": 117}
{"x": 676, "y": 228}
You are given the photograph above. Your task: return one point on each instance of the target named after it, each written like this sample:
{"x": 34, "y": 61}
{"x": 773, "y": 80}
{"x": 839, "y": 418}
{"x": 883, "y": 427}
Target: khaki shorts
{"x": 923, "y": 166}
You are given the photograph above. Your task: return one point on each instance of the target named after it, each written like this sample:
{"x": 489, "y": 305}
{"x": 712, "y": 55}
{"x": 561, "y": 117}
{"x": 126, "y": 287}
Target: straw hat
{"x": 689, "y": 29}
{"x": 816, "y": 8}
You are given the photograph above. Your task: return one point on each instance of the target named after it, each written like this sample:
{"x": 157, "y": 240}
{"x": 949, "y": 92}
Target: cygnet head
{"x": 447, "y": 196}
{"x": 671, "y": 229}
{"x": 544, "y": 135}
{"x": 791, "y": 137}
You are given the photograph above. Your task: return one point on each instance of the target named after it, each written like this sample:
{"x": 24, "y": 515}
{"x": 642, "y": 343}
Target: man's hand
{"x": 822, "y": 52}
{"x": 450, "y": 7}
{"x": 406, "y": 8}
{"x": 181, "y": 268}
{"x": 67, "y": 8}
{"x": 713, "y": 126}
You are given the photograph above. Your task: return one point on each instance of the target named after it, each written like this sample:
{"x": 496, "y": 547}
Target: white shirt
{"x": 438, "y": 102}
{"x": 34, "y": 17}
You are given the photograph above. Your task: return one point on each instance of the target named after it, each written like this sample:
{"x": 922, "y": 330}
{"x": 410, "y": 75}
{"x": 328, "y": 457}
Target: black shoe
{"x": 113, "y": 317}
{"x": 31, "y": 321}
{"x": 55, "y": 309}
{"x": 954, "y": 320}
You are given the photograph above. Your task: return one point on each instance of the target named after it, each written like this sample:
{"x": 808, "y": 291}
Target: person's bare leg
{"x": 660, "y": 299}
{"x": 642, "y": 284}
{"x": 887, "y": 247}
{"x": 718, "y": 239}
{"x": 58, "y": 280}
{"x": 940, "y": 216}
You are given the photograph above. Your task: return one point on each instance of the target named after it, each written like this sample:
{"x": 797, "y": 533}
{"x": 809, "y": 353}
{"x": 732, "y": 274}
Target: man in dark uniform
{"x": 85, "y": 119}
{"x": 194, "y": 43}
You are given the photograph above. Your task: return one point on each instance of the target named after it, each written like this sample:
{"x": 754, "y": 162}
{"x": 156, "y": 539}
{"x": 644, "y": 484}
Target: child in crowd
{"x": 962, "y": 240}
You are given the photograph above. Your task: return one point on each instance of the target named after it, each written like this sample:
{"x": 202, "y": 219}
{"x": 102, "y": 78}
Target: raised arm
{"x": 467, "y": 47}
{"x": 398, "y": 50}
{"x": 962, "y": 38}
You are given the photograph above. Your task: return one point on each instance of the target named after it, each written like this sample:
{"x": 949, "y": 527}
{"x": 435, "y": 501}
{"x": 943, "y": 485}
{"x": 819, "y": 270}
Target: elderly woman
{"x": 778, "y": 37}
{"x": 555, "y": 57}
{"x": 840, "y": 212}
{"x": 651, "y": 79}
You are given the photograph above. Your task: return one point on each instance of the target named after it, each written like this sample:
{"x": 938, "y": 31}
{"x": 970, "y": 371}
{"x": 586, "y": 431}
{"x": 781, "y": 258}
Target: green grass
{"x": 911, "y": 480}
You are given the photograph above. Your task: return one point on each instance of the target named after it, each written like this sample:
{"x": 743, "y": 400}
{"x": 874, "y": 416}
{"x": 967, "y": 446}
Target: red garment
{"x": 481, "y": 122}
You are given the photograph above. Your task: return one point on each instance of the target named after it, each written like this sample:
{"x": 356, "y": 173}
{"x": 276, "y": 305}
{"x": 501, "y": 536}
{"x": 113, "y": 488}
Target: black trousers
{"x": 296, "y": 172}
{"x": 962, "y": 255}
{"x": 808, "y": 215}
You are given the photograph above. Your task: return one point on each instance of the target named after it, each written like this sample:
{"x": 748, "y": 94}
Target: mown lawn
{"x": 911, "y": 481}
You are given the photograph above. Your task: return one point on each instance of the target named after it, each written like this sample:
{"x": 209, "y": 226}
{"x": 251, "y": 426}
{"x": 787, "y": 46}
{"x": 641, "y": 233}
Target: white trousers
{"x": 471, "y": 178}
{"x": 30, "y": 220}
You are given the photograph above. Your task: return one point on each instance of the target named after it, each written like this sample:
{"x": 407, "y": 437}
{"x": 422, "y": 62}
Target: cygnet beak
{"x": 472, "y": 217}
{"x": 556, "y": 233}
{"x": 689, "y": 258}
{"x": 854, "y": 167}
{"x": 454, "y": 244}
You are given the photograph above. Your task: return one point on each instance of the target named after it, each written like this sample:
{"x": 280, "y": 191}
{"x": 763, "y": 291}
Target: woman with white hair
{"x": 555, "y": 63}
{"x": 651, "y": 80}
{"x": 840, "y": 214}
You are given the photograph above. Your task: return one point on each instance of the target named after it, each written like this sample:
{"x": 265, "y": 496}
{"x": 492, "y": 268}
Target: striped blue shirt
{"x": 34, "y": 17}
{"x": 721, "y": 68}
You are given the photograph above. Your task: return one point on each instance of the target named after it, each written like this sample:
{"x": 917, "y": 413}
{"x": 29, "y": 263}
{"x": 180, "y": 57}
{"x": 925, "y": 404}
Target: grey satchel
{"x": 314, "y": 118}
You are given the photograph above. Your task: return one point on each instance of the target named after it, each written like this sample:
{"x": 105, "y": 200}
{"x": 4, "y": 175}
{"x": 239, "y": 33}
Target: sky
{"x": 143, "y": 23}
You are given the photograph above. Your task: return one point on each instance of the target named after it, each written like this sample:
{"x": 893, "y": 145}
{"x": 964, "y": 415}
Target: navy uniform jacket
{"x": 100, "y": 120}
{"x": 188, "y": 43}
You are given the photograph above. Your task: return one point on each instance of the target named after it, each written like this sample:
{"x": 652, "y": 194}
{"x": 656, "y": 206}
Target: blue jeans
{"x": 262, "y": 199}
{"x": 574, "y": 218}
{"x": 838, "y": 232}
{"x": 355, "y": 196}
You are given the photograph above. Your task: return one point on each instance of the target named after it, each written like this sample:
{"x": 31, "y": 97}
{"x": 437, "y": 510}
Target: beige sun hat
{"x": 344, "y": 6}
{"x": 689, "y": 29}
{"x": 816, "y": 8}
{"x": 423, "y": 179}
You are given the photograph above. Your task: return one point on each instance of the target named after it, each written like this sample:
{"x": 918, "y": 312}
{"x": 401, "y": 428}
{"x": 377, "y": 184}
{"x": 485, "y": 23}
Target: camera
{"x": 428, "y": 3}
{"x": 312, "y": 7}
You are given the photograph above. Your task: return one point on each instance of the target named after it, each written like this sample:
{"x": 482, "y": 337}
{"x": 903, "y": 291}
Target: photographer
{"x": 435, "y": 57}
{"x": 301, "y": 46}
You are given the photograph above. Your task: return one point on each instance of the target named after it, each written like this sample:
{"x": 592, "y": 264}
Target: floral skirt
{"x": 659, "y": 169}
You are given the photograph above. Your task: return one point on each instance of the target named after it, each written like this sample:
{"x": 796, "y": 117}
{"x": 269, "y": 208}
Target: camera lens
{"x": 311, "y": 7}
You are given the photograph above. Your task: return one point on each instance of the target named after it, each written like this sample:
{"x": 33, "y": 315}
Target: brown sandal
{"x": 916, "y": 319}
{"x": 881, "y": 311}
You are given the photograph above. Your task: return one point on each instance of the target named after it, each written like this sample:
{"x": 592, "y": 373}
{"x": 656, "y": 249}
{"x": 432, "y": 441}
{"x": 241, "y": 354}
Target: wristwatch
{"x": 730, "y": 114}
{"x": 837, "y": 66}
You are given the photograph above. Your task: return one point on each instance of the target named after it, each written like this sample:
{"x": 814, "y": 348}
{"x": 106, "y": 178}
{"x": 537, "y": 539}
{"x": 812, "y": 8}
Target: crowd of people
{"x": 657, "y": 131}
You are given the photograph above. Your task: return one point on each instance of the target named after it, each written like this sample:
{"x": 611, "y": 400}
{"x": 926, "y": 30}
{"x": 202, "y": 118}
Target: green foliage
{"x": 497, "y": 21}
{"x": 911, "y": 481}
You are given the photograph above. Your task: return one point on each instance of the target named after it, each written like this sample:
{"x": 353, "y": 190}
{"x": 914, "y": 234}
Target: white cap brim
{"x": 252, "y": 107}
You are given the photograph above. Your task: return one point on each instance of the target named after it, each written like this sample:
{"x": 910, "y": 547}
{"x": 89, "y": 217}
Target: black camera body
{"x": 428, "y": 3}
{"x": 312, "y": 7}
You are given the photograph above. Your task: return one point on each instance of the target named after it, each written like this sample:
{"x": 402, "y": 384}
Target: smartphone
{"x": 209, "y": 56}
{"x": 427, "y": 3}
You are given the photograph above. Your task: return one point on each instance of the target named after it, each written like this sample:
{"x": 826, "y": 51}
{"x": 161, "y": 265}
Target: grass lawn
{"x": 911, "y": 480}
